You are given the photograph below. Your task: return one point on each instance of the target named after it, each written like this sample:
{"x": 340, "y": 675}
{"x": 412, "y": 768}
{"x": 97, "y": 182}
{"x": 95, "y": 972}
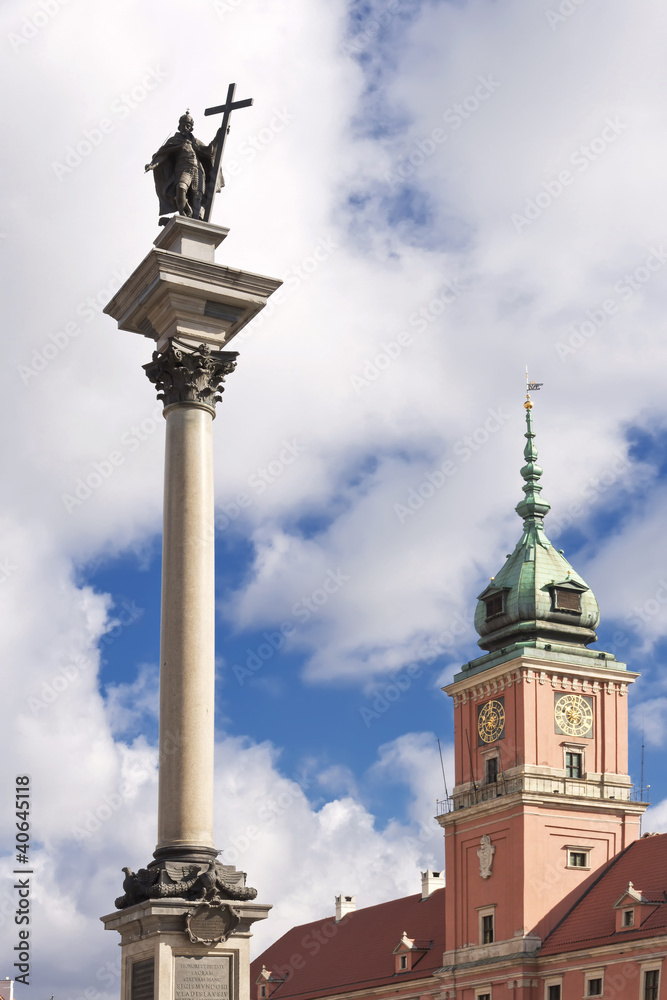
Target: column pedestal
{"x": 161, "y": 960}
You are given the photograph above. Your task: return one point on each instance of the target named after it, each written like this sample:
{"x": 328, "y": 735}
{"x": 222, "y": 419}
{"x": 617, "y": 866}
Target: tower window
{"x": 494, "y": 606}
{"x": 487, "y": 929}
{"x": 491, "y": 770}
{"x": 651, "y": 984}
{"x": 566, "y": 600}
{"x": 578, "y": 859}
{"x": 574, "y": 765}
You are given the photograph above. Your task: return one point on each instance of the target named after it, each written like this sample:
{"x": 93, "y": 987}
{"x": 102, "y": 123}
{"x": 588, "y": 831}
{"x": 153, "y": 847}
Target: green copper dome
{"x": 536, "y": 596}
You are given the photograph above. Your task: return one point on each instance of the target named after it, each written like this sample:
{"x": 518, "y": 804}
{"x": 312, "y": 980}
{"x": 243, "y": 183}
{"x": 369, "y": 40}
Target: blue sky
{"x": 481, "y": 186}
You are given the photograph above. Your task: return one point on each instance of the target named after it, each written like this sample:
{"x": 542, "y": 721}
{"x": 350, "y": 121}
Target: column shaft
{"x": 187, "y": 640}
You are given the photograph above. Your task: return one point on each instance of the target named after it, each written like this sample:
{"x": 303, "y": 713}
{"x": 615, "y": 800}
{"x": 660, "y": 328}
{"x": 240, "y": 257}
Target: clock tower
{"x": 542, "y": 795}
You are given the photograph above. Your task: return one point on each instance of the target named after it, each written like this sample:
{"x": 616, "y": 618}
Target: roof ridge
{"x": 608, "y": 867}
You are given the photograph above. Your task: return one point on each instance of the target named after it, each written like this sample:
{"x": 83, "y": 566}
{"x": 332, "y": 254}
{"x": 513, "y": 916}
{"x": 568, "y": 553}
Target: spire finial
{"x": 532, "y": 506}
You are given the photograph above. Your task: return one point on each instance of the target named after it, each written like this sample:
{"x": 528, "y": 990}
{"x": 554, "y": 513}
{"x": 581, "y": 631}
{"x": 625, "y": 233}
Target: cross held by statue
{"x": 226, "y": 111}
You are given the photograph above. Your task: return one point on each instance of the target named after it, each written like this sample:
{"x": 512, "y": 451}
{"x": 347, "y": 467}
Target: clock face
{"x": 573, "y": 715}
{"x": 491, "y": 721}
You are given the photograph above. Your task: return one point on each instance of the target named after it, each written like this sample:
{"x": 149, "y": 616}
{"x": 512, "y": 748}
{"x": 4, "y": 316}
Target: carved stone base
{"x": 172, "y": 949}
{"x": 184, "y": 878}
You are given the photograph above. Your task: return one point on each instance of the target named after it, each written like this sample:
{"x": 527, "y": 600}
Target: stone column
{"x": 189, "y": 384}
{"x": 185, "y": 920}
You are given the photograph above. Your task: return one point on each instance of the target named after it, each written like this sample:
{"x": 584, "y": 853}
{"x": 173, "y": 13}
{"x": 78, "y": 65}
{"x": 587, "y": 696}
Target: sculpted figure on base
{"x": 213, "y": 883}
{"x": 183, "y": 169}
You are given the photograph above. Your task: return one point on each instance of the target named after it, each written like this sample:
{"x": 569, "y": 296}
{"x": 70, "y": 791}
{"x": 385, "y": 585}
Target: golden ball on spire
{"x": 528, "y": 404}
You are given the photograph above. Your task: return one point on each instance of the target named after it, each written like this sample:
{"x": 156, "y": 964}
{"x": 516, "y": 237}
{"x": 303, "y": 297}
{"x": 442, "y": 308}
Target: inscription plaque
{"x": 205, "y": 978}
{"x": 143, "y": 980}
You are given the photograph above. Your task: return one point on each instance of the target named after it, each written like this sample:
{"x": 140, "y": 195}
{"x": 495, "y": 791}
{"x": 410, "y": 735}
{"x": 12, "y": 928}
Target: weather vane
{"x": 531, "y": 387}
{"x": 188, "y": 173}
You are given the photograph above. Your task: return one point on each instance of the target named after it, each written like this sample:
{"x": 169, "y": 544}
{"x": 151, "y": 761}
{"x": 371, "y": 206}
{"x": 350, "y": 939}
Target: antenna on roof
{"x": 641, "y": 778}
{"x": 442, "y": 765}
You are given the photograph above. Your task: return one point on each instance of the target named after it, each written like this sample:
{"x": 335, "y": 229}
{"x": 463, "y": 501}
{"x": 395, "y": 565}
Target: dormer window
{"x": 628, "y": 908}
{"x": 567, "y": 600}
{"x": 495, "y": 605}
{"x": 566, "y": 595}
{"x": 408, "y": 951}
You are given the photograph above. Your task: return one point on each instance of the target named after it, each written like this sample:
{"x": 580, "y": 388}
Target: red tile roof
{"x": 325, "y": 957}
{"x": 592, "y": 920}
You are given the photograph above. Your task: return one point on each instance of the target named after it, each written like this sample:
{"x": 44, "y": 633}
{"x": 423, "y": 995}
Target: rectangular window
{"x": 651, "y": 984}
{"x": 577, "y": 859}
{"x": 494, "y": 606}
{"x": 403, "y": 961}
{"x": 491, "y": 770}
{"x": 574, "y": 765}
{"x": 594, "y": 988}
{"x": 487, "y": 929}
{"x": 553, "y": 992}
{"x": 628, "y": 918}
{"x": 483, "y": 996}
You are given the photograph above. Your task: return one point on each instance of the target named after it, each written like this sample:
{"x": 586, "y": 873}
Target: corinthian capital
{"x": 183, "y": 376}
